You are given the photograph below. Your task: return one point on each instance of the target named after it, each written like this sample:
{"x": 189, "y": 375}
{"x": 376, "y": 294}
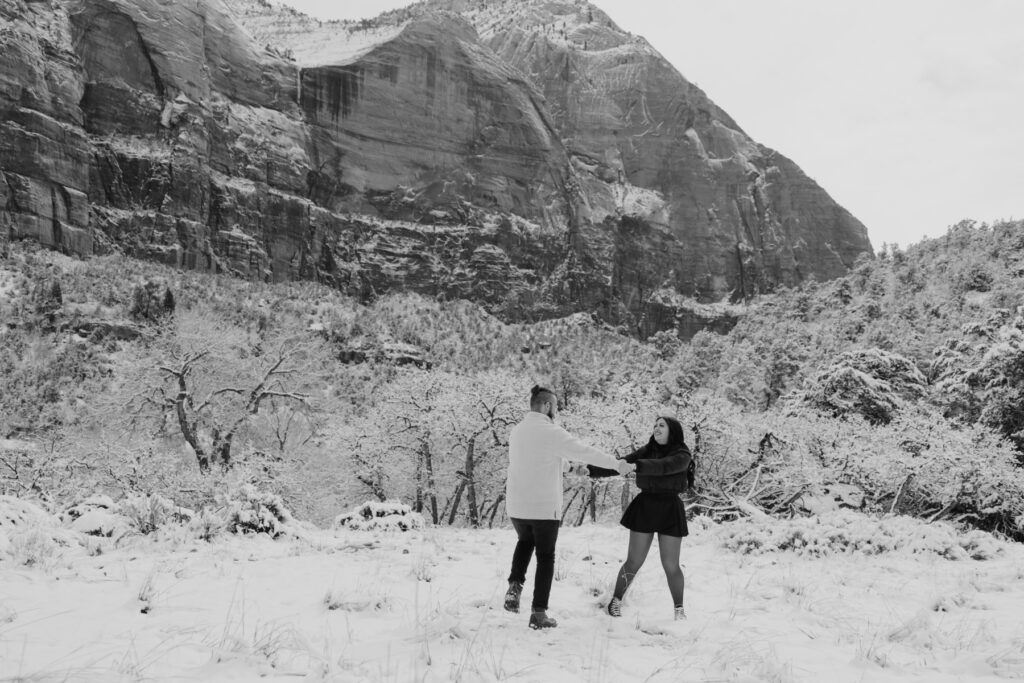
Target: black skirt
{"x": 660, "y": 513}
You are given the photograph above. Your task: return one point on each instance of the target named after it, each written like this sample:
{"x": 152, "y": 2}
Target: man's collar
{"x": 538, "y": 415}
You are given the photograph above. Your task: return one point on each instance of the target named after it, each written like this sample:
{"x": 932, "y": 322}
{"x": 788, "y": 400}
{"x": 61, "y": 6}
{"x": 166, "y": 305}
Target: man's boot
{"x": 540, "y": 619}
{"x": 515, "y": 589}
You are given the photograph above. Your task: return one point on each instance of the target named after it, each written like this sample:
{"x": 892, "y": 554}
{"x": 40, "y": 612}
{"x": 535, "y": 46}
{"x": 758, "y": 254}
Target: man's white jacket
{"x": 537, "y": 448}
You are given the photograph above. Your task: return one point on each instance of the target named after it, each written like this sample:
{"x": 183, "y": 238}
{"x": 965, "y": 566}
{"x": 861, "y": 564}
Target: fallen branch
{"x": 751, "y": 510}
{"x": 943, "y": 512}
{"x": 899, "y": 493}
{"x": 792, "y": 499}
{"x": 753, "y": 485}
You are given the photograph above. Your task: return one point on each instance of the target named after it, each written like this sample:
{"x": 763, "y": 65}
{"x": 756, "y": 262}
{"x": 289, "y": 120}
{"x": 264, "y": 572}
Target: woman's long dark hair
{"x": 675, "y": 436}
{"x": 675, "y": 441}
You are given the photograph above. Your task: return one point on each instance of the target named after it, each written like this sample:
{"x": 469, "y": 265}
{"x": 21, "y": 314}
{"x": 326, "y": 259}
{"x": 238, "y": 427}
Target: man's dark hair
{"x": 538, "y": 395}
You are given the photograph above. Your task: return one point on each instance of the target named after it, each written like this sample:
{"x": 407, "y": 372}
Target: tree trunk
{"x": 624, "y": 500}
{"x": 589, "y": 502}
{"x": 417, "y": 504}
{"x": 584, "y": 504}
{"x": 425, "y": 481}
{"x": 593, "y": 501}
{"x": 569, "y": 504}
{"x": 474, "y": 515}
{"x": 455, "y": 501}
{"x": 222, "y": 448}
{"x": 374, "y": 487}
{"x": 188, "y": 429}
{"x": 698, "y": 440}
{"x": 428, "y": 462}
{"x": 494, "y": 510}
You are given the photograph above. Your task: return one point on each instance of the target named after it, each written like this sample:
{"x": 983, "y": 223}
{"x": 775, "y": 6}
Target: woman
{"x": 664, "y": 469}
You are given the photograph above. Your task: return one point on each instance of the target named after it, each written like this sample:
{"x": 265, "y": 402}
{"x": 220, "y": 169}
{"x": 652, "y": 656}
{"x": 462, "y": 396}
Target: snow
{"x": 637, "y": 201}
{"x": 425, "y": 605}
{"x": 670, "y": 297}
{"x": 98, "y": 523}
{"x": 138, "y": 146}
{"x": 16, "y": 512}
{"x": 311, "y": 43}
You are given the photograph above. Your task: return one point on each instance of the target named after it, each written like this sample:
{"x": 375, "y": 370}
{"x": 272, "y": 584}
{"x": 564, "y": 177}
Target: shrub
{"x": 250, "y": 511}
{"x": 97, "y": 515}
{"x": 97, "y": 501}
{"x": 16, "y": 512}
{"x": 387, "y": 516}
{"x": 29, "y": 535}
{"x": 847, "y": 532}
{"x": 33, "y": 547}
{"x": 207, "y": 525}
{"x": 147, "y": 513}
{"x": 872, "y": 383}
{"x": 975, "y": 277}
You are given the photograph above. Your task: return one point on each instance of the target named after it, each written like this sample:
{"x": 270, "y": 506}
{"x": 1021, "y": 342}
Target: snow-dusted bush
{"x": 206, "y": 525}
{"x": 802, "y": 461}
{"x": 390, "y": 515}
{"x": 251, "y": 511}
{"x": 146, "y": 514}
{"x": 33, "y": 547}
{"x": 29, "y": 535}
{"x": 97, "y": 501}
{"x": 870, "y": 382}
{"x": 920, "y": 465}
{"x": 853, "y": 533}
{"x": 16, "y": 512}
{"x": 980, "y": 377}
{"x": 97, "y": 515}
{"x": 241, "y": 509}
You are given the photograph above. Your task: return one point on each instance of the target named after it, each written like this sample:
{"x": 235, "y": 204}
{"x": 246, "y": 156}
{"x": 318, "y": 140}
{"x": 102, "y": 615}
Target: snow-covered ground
{"x": 426, "y": 605}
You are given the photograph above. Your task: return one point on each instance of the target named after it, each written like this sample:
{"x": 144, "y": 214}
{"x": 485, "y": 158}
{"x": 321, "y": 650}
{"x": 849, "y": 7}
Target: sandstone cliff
{"x": 528, "y": 155}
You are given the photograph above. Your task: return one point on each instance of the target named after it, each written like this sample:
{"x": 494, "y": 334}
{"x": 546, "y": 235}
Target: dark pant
{"x": 540, "y": 535}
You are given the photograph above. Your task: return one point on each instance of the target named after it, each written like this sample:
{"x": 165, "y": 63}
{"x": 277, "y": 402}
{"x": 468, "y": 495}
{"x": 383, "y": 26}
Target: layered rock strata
{"x": 530, "y": 156}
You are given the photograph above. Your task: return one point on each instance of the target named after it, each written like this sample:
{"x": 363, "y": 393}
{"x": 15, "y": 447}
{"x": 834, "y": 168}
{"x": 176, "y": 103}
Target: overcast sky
{"x": 910, "y": 113}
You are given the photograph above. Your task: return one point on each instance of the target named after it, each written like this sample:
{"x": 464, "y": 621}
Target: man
{"x": 537, "y": 448}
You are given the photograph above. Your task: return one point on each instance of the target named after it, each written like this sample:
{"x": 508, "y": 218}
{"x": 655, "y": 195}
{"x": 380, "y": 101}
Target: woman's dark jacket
{"x": 658, "y": 470}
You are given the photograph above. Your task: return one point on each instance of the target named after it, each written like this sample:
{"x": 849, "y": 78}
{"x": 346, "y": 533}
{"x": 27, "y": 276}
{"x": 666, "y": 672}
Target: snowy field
{"x": 425, "y": 605}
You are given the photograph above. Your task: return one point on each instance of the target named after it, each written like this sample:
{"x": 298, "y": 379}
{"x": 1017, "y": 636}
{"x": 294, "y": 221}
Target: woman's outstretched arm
{"x": 678, "y": 462}
{"x": 635, "y": 455}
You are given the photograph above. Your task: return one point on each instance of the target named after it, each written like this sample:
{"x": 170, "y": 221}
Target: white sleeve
{"x": 568, "y": 447}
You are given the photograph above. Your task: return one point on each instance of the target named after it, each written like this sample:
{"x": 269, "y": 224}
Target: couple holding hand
{"x": 533, "y": 499}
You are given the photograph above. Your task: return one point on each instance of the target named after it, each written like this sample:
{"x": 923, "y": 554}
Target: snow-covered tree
{"x": 871, "y": 382}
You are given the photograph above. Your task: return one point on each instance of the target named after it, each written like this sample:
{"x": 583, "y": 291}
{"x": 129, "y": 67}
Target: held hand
{"x": 626, "y": 467}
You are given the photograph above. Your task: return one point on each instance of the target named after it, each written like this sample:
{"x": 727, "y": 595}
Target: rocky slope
{"x": 528, "y": 155}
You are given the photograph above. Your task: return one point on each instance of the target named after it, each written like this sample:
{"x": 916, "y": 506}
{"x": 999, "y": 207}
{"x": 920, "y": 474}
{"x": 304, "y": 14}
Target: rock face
{"x": 528, "y": 155}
